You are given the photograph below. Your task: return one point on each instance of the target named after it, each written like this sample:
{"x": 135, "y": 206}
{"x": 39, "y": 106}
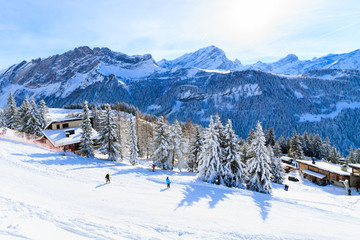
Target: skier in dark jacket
{"x": 168, "y": 182}
{"x": 107, "y": 177}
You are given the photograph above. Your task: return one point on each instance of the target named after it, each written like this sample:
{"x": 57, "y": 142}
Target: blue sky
{"x": 254, "y": 30}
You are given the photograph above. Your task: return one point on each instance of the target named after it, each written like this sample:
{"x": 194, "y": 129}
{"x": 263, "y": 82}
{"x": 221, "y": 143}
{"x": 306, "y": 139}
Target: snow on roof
{"x": 327, "y": 167}
{"x": 58, "y": 137}
{"x": 353, "y": 165}
{"x": 286, "y": 158}
{"x": 287, "y": 165}
{"x": 60, "y": 120}
{"x": 315, "y": 174}
{"x": 66, "y": 119}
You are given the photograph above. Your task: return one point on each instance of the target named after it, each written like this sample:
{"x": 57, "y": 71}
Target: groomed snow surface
{"x": 45, "y": 195}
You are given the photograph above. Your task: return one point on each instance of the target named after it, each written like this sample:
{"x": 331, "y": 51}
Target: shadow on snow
{"x": 263, "y": 202}
{"x": 194, "y": 193}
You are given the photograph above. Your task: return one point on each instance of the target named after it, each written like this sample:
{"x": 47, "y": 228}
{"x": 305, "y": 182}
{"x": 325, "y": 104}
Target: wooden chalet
{"x": 355, "y": 175}
{"x": 66, "y": 133}
{"x": 323, "y": 173}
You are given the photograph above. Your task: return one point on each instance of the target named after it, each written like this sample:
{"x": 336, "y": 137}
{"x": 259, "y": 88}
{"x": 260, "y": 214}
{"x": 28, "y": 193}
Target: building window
{"x": 65, "y": 125}
{"x": 57, "y": 126}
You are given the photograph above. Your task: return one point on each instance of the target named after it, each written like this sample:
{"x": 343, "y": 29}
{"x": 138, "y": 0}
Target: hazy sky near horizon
{"x": 253, "y": 30}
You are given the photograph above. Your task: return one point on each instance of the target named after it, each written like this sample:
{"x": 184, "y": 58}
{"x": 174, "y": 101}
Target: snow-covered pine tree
{"x": 34, "y": 123}
{"x": 133, "y": 142}
{"x": 86, "y": 143}
{"x": 277, "y": 150}
{"x": 326, "y": 150}
{"x": 161, "y": 155}
{"x": 220, "y": 129}
{"x": 357, "y": 155}
{"x": 120, "y": 118}
{"x": 351, "y": 156}
{"x": 282, "y": 144}
{"x": 310, "y": 146}
{"x": 2, "y": 118}
{"x": 317, "y": 146}
{"x": 44, "y": 110}
{"x": 259, "y": 169}
{"x": 138, "y": 130}
{"x": 11, "y": 113}
{"x": 96, "y": 118}
{"x": 296, "y": 150}
{"x": 146, "y": 136}
{"x": 270, "y": 137}
{"x": 184, "y": 149}
{"x": 108, "y": 141}
{"x": 210, "y": 166}
{"x": 250, "y": 136}
{"x": 244, "y": 152}
{"x": 174, "y": 143}
{"x": 306, "y": 144}
{"x": 277, "y": 171}
{"x": 24, "y": 114}
{"x": 334, "y": 155}
{"x": 235, "y": 174}
{"x": 195, "y": 150}
{"x": 288, "y": 144}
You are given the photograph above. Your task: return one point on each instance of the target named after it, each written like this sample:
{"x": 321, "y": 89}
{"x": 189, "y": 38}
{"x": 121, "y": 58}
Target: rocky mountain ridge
{"x": 322, "y": 100}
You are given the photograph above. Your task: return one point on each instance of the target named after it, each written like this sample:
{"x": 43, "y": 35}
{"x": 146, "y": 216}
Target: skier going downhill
{"x": 168, "y": 182}
{"x": 107, "y": 177}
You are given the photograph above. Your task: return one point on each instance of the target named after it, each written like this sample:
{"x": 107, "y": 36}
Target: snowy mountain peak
{"x": 209, "y": 58}
{"x": 211, "y": 51}
{"x": 288, "y": 59}
{"x": 61, "y": 75}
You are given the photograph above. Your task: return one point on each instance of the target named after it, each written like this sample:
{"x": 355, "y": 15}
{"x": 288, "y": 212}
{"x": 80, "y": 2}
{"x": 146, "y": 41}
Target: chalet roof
{"x": 315, "y": 174}
{"x": 327, "y": 167}
{"x": 58, "y": 137}
{"x": 354, "y": 165}
{"x": 61, "y": 120}
{"x": 287, "y": 165}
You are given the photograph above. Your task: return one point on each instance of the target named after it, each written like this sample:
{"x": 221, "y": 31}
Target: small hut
{"x": 65, "y": 133}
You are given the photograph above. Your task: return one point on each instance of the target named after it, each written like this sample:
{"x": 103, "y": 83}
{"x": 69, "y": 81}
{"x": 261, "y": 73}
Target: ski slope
{"x": 45, "y": 195}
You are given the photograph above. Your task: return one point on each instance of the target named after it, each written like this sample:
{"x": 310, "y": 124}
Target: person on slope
{"x": 107, "y": 177}
{"x": 168, "y": 182}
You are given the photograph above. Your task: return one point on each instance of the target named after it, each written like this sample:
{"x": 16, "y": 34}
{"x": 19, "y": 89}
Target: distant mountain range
{"x": 214, "y": 58}
{"x": 320, "y": 95}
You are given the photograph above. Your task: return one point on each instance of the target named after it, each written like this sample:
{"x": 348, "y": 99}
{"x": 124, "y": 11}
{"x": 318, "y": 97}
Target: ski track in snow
{"x": 44, "y": 195}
